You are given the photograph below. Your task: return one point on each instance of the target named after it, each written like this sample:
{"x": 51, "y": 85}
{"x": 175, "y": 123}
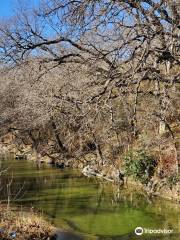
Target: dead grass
{"x": 25, "y": 225}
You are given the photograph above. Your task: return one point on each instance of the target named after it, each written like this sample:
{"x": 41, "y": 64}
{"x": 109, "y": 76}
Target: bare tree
{"x": 96, "y": 64}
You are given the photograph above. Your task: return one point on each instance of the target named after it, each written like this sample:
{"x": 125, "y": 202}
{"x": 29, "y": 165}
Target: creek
{"x": 88, "y": 207}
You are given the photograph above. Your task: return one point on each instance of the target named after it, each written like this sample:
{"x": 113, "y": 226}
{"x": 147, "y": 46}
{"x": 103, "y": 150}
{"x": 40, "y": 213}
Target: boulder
{"x": 46, "y": 159}
{"x": 89, "y": 171}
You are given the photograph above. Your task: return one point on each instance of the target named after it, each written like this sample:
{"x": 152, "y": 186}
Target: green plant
{"x": 140, "y": 165}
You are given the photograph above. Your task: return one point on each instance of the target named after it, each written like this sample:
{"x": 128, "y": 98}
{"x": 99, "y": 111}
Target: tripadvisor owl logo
{"x": 139, "y": 231}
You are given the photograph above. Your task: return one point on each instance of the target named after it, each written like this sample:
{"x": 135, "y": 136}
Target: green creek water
{"x": 93, "y": 209}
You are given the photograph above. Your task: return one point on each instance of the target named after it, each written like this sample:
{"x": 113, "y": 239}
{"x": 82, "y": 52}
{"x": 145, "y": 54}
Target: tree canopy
{"x": 104, "y": 68}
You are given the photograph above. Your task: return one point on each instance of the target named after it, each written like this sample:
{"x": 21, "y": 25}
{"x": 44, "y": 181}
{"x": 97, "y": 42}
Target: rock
{"x": 3, "y": 150}
{"x": 118, "y": 176}
{"x": 89, "y": 171}
{"x": 55, "y": 155}
{"x": 8, "y": 138}
{"x": 67, "y": 164}
{"x": 31, "y": 156}
{"x": 60, "y": 165}
{"x": 19, "y": 157}
{"x": 46, "y": 159}
{"x": 80, "y": 165}
{"x": 12, "y": 148}
{"x": 90, "y": 157}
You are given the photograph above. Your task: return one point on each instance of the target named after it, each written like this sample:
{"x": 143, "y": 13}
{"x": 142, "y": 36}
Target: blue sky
{"x": 7, "y": 6}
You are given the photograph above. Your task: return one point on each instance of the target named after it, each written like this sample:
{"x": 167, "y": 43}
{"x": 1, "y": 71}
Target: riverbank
{"x": 88, "y": 207}
{"x": 164, "y": 188}
{"x": 23, "y": 225}
{"x": 167, "y": 188}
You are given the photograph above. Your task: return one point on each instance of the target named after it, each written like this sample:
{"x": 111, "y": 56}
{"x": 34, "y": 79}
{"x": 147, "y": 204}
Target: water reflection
{"x": 93, "y": 209}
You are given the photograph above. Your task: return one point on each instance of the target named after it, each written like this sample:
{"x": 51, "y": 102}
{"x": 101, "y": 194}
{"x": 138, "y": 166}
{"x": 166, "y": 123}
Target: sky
{"x": 7, "y": 6}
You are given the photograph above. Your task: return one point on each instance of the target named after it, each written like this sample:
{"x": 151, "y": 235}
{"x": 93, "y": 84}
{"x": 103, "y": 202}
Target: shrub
{"x": 173, "y": 180}
{"x": 140, "y": 165}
